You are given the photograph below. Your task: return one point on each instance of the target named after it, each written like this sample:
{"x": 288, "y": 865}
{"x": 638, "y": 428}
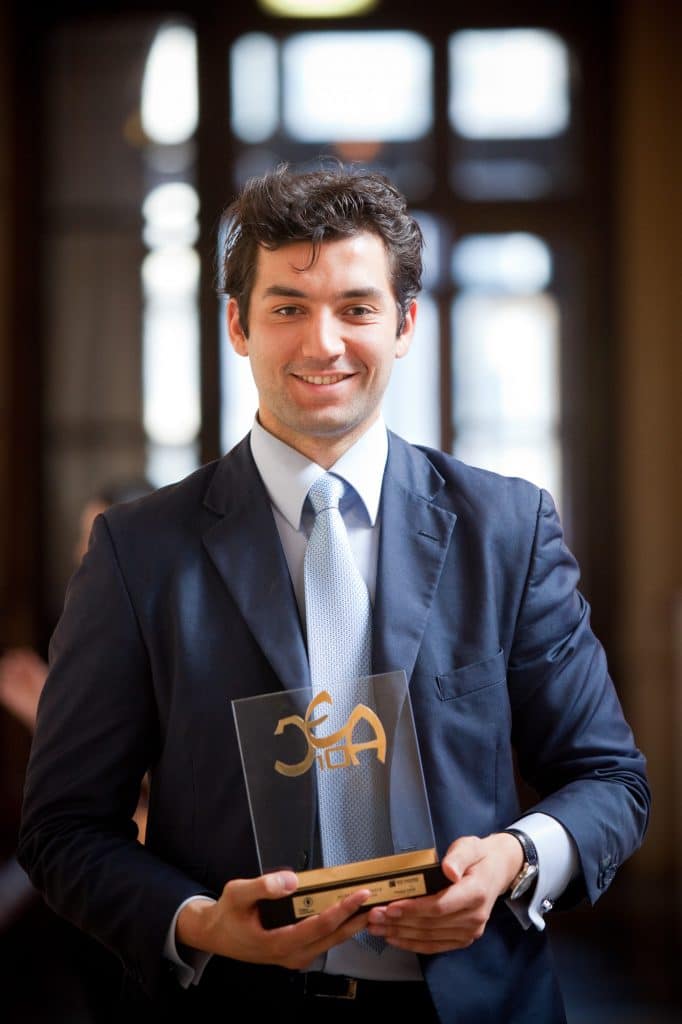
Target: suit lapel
{"x": 245, "y": 548}
{"x": 415, "y": 534}
{"x": 414, "y": 539}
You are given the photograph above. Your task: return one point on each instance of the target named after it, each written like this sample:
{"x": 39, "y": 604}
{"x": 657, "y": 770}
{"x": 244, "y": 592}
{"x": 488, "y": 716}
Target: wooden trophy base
{"x": 398, "y": 877}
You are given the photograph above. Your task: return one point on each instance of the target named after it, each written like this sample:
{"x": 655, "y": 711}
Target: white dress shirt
{"x": 288, "y": 476}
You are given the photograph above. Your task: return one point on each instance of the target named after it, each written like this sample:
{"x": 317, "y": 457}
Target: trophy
{"x": 336, "y": 793}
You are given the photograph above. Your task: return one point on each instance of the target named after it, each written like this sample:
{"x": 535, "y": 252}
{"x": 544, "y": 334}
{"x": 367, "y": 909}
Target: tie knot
{"x": 326, "y": 492}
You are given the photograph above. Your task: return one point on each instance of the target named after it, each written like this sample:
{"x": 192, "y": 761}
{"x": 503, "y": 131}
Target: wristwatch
{"x": 529, "y": 869}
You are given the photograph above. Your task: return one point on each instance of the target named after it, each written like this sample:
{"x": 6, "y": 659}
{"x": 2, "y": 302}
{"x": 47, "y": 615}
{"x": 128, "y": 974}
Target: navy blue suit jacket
{"x": 184, "y": 603}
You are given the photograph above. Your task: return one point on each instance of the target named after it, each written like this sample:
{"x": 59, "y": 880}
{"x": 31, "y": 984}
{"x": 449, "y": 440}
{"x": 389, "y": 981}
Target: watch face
{"x": 524, "y": 880}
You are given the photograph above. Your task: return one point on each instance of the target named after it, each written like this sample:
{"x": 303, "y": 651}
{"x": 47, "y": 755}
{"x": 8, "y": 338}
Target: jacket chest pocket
{"x": 469, "y": 679}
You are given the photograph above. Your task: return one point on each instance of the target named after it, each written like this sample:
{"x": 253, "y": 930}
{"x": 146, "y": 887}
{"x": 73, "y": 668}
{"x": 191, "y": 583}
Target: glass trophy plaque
{"x": 336, "y": 793}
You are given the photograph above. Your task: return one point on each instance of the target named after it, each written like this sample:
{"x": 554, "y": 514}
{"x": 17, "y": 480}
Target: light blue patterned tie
{"x": 353, "y": 815}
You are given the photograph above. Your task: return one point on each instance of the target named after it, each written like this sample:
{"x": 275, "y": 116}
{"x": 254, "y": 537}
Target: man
{"x": 195, "y": 597}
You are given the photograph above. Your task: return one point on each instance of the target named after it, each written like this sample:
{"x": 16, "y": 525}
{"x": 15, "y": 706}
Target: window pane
{"x": 167, "y": 463}
{"x": 506, "y": 359}
{"x": 171, "y": 374}
{"x": 170, "y": 270}
{"x": 412, "y": 400}
{"x": 514, "y": 262}
{"x": 170, "y": 332}
{"x": 432, "y": 232}
{"x": 537, "y": 459}
{"x": 170, "y": 102}
{"x": 317, "y": 8}
{"x": 508, "y": 84}
{"x": 239, "y": 395}
{"x": 170, "y": 214}
{"x": 357, "y": 85}
{"x": 254, "y": 87}
{"x": 506, "y": 385}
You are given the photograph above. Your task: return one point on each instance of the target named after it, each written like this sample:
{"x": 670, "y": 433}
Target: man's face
{"x": 322, "y": 341}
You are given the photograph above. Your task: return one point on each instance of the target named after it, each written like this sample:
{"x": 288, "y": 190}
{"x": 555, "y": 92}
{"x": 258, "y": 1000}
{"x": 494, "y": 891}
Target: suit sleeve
{"x": 574, "y": 745}
{"x": 96, "y": 729}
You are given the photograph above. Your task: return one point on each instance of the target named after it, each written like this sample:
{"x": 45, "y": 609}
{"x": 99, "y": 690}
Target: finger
{"x": 461, "y": 856}
{"x": 457, "y": 903}
{"x": 446, "y": 901}
{"x": 299, "y": 944}
{"x": 457, "y": 936}
{"x": 341, "y": 918}
{"x": 278, "y": 883}
{"x": 243, "y": 893}
{"x": 438, "y": 930}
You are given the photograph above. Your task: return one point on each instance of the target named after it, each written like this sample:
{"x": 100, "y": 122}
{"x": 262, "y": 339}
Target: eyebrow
{"x": 295, "y": 293}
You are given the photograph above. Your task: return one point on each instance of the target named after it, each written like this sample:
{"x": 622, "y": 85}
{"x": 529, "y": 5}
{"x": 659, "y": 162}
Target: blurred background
{"x": 539, "y": 145}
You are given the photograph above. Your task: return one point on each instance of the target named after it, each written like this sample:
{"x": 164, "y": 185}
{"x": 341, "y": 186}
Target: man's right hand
{"x": 231, "y": 926}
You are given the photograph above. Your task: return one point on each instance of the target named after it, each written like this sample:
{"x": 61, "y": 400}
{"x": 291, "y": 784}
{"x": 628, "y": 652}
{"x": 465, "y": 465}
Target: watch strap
{"x": 529, "y": 868}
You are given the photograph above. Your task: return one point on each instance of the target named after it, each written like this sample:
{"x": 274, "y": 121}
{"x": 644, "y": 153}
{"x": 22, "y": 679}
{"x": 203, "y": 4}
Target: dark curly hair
{"x": 284, "y": 206}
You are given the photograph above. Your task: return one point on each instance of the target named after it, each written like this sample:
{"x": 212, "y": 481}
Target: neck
{"x": 324, "y": 450}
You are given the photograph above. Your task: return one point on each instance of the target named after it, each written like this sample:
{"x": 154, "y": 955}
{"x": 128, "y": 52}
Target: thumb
{"x": 279, "y": 883}
{"x": 243, "y": 893}
{"x": 461, "y": 856}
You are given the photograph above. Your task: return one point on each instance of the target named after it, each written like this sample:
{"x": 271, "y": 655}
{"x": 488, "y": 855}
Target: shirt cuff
{"x": 189, "y": 970}
{"x": 558, "y": 863}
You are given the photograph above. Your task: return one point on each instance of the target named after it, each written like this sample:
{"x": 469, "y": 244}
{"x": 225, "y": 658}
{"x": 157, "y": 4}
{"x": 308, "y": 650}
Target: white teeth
{"x": 323, "y": 380}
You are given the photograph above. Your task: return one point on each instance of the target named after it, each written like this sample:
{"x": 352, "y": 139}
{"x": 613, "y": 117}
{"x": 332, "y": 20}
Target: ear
{"x": 404, "y": 339}
{"x": 238, "y": 339}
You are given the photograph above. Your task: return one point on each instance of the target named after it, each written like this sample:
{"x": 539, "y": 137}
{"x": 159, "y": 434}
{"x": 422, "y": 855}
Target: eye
{"x": 359, "y": 311}
{"x": 285, "y": 311}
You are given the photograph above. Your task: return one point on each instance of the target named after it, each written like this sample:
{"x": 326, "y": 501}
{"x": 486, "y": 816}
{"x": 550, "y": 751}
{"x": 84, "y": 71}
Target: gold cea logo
{"x": 338, "y": 749}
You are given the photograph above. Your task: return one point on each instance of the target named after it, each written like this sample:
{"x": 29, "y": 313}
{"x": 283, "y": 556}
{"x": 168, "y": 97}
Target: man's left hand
{"x": 480, "y": 871}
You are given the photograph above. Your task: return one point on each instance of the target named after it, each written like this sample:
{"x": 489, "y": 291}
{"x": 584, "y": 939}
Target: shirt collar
{"x": 288, "y": 475}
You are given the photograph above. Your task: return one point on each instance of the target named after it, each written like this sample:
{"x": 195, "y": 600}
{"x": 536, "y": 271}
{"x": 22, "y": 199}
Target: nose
{"x": 322, "y": 337}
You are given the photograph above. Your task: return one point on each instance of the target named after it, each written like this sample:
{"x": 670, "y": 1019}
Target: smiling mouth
{"x": 330, "y": 378}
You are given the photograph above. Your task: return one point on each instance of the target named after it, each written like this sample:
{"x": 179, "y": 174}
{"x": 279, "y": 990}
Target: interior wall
{"x": 20, "y": 542}
{"x": 5, "y": 221}
{"x": 93, "y": 181}
{"x": 649, "y": 293}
